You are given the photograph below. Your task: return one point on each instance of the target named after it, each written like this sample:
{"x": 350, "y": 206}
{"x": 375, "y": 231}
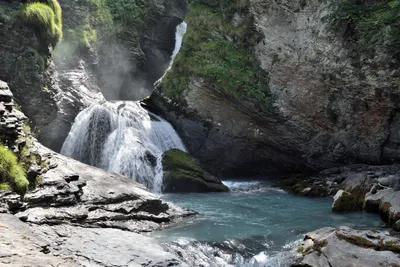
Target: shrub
{"x": 46, "y": 18}
{"x": 11, "y": 171}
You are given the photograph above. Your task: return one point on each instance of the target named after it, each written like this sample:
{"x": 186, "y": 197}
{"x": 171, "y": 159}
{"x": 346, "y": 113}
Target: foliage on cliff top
{"x": 12, "y": 172}
{"x": 214, "y": 49}
{"x": 46, "y": 18}
{"x": 370, "y": 22}
{"x": 130, "y": 11}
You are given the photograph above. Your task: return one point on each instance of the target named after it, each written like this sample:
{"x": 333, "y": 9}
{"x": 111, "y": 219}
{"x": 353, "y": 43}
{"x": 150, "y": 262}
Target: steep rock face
{"x": 331, "y": 103}
{"x": 25, "y": 65}
{"x": 138, "y": 53}
{"x": 98, "y": 55}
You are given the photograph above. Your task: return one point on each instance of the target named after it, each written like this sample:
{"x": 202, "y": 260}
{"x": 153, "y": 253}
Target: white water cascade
{"x": 179, "y": 33}
{"x": 124, "y": 138}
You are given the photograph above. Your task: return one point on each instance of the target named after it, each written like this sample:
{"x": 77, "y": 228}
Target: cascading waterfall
{"x": 124, "y": 138}
{"x": 180, "y": 32}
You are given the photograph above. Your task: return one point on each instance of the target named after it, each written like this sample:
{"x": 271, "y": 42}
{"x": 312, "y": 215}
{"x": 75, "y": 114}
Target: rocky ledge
{"x": 347, "y": 247}
{"x": 83, "y": 216}
{"x": 77, "y": 194}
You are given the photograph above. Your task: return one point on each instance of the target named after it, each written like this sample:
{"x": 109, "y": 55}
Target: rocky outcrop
{"x": 331, "y": 104}
{"x": 11, "y": 120}
{"x": 386, "y": 203}
{"x": 65, "y": 245}
{"x": 347, "y": 247}
{"x": 182, "y": 173}
{"x": 352, "y": 194}
{"x": 71, "y": 192}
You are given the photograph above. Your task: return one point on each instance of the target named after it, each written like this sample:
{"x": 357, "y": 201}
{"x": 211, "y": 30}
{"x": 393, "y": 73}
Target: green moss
{"x": 46, "y": 18}
{"x": 221, "y": 53}
{"x": 369, "y": 22}
{"x": 178, "y": 161}
{"x": 182, "y": 173}
{"x": 4, "y": 187}
{"x": 300, "y": 249}
{"x": 11, "y": 171}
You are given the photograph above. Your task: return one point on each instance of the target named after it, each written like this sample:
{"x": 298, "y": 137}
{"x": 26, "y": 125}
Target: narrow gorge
{"x": 199, "y": 133}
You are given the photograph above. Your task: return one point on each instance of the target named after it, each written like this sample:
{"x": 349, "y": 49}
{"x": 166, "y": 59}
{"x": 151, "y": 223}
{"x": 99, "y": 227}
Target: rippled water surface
{"x": 253, "y": 225}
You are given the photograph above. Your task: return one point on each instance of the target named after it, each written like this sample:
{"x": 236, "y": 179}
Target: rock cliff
{"x": 330, "y": 99}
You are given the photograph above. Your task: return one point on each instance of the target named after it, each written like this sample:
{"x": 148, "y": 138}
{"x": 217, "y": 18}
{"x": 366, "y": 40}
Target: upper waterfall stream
{"x": 124, "y": 138}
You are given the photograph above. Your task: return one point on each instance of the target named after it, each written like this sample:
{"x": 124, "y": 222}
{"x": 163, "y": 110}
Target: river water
{"x": 256, "y": 224}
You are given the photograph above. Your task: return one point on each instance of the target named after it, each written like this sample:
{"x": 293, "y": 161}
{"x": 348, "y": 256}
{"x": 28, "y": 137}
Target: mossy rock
{"x": 12, "y": 172}
{"x": 45, "y": 17}
{"x": 182, "y": 173}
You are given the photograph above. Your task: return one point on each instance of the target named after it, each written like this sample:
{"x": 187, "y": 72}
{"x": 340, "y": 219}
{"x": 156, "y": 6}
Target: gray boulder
{"x": 347, "y": 247}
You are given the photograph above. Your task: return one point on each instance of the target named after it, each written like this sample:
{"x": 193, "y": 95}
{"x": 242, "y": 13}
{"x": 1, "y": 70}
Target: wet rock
{"x": 182, "y": 173}
{"x": 385, "y": 202}
{"x": 351, "y": 198}
{"x": 343, "y": 202}
{"x": 335, "y": 247}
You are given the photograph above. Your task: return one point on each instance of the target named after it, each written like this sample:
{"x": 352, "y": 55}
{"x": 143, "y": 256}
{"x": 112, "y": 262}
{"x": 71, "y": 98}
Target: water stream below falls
{"x": 124, "y": 138}
{"x": 253, "y": 225}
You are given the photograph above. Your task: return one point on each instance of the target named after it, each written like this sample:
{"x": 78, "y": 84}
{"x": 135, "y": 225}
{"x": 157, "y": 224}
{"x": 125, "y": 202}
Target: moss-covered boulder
{"x": 352, "y": 194}
{"x": 182, "y": 173}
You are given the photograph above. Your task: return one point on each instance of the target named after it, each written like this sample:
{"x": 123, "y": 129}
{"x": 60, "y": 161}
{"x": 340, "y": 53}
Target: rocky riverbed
{"x": 79, "y": 215}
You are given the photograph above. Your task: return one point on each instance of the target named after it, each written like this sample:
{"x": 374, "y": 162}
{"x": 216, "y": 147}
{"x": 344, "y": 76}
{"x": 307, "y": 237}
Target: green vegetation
{"x": 4, "y": 187}
{"x": 126, "y": 12}
{"x": 300, "y": 249}
{"x": 46, "y": 17}
{"x": 370, "y": 22}
{"x": 84, "y": 36}
{"x": 214, "y": 49}
{"x": 12, "y": 172}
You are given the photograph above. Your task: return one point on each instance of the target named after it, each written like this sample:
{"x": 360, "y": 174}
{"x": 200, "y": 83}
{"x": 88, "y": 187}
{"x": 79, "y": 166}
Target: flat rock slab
{"x": 106, "y": 247}
{"x": 65, "y": 245}
{"x": 346, "y": 247}
{"x": 20, "y": 246}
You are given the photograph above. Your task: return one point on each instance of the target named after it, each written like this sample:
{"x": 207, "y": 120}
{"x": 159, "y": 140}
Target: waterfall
{"x": 124, "y": 138}
{"x": 179, "y": 33}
